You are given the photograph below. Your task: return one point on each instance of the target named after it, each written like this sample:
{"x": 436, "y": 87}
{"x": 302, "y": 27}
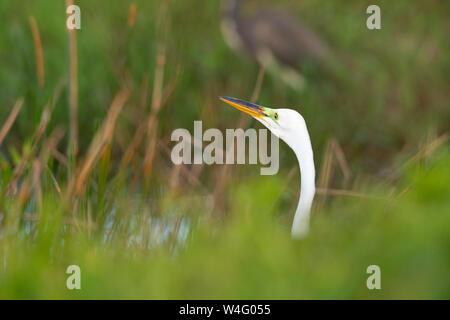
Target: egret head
{"x": 289, "y": 126}
{"x": 286, "y": 124}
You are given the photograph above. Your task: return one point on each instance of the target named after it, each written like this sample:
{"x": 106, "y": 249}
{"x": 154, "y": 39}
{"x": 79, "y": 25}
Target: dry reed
{"x": 219, "y": 196}
{"x": 132, "y": 15}
{"x": 38, "y": 51}
{"x": 99, "y": 144}
{"x": 73, "y": 90}
{"x": 11, "y": 119}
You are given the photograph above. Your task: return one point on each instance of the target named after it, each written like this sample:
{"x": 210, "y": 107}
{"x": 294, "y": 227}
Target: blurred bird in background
{"x": 278, "y": 42}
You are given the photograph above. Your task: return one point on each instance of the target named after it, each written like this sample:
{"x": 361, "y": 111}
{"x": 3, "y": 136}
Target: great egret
{"x": 289, "y": 126}
{"x": 275, "y": 40}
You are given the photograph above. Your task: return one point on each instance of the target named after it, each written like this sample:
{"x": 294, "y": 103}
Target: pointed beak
{"x": 250, "y": 108}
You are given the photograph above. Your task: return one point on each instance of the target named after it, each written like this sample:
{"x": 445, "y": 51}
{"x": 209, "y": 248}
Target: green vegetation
{"x": 140, "y": 227}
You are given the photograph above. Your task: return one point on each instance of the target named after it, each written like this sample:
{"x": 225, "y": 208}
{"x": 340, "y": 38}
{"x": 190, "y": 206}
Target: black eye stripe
{"x": 276, "y": 115}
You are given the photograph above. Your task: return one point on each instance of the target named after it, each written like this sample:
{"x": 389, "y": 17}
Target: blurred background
{"x": 86, "y": 176}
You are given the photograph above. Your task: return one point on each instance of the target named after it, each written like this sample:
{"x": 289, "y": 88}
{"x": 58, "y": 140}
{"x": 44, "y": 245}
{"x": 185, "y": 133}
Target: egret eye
{"x": 275, "y": 116}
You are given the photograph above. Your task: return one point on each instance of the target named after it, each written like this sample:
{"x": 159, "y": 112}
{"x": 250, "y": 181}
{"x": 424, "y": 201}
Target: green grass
{"x": 251, "y": 255}
{"x": 152, "y": 238}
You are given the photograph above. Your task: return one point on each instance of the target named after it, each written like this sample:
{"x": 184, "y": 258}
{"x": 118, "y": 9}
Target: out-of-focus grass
{"x": 160, "y": 238}
{"x": 251, "y": 255}
{"x": 396, "y": 75}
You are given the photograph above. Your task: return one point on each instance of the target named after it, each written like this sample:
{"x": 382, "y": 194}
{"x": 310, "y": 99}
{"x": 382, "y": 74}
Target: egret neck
{"x": 303, "y": 151}
{"x": 289, "y": 126}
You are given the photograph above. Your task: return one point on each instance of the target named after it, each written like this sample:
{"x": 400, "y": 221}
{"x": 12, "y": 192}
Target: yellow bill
{"x": 250, "y": 108}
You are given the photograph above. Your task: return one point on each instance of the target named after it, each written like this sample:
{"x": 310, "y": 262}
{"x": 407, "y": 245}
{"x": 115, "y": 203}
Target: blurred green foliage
{"x": 388, "y": 99}
{"x": 251, "y": 256}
